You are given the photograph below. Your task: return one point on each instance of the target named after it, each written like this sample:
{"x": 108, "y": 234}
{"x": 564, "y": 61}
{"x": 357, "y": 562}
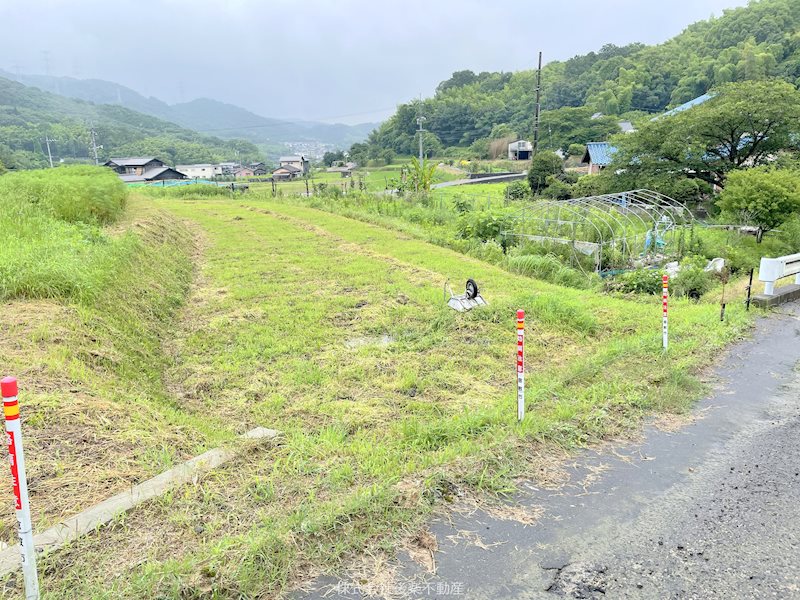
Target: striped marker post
{"x": 8, "y": 387}
{"x": 520, "y": 365}
{"x": 665, "y": 320}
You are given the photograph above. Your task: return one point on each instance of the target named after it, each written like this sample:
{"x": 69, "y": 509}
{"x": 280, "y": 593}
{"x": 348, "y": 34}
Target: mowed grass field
{"x": 375, "y": 180}
{"x": 335, "y": 332}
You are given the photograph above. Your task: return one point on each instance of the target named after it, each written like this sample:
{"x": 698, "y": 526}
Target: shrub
{"x": 640, "y": 281}
{"x": 489, "y": 251}
{"x": 692, "y": 280}
{"x": 462, "y": 205}
{"x": 518, "y": 190}
{"x": 485, "y": 224}
{"x": 764, "y": 196}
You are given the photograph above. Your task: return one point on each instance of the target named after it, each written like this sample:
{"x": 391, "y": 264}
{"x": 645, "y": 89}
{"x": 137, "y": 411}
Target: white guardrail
{"x": 773, "y": 269}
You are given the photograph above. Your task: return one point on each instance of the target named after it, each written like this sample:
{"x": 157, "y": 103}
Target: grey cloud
{"x": 353, "y": 59}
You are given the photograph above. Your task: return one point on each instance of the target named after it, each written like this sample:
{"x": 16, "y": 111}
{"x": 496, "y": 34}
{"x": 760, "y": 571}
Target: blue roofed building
{"x": 598, "y": 155}
{"x": 685, "y": 106}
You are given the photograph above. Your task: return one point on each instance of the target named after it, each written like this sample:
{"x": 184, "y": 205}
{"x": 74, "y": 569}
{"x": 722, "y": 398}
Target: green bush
{"x": 640, "y": 281}
{"x": 692, "y": 281}
{"x": 518, "y": 190}
{"x": 489, "y": 251}
{"x": 485, "y": 224}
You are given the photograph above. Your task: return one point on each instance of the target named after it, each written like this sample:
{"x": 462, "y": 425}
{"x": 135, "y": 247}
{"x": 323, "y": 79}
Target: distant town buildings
{"x": 142, "y": 169}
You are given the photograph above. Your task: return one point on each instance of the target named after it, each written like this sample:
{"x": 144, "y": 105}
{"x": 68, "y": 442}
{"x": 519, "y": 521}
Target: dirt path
{"x": 705, "y": 510}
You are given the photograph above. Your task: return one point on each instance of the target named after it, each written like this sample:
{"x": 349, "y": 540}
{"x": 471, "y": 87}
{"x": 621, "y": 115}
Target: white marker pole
{"x": 8, "y": 387}
{"x": 520, "y": 365}
{"x": 665, "y": 323}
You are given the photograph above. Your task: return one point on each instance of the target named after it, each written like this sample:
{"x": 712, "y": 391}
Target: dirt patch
{"x": 422, "y": 549}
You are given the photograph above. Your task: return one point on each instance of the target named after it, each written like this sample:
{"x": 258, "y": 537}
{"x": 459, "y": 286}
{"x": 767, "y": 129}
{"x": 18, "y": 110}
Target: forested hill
{"x": 759, "y": 41}
{"x": 28, "y": 116}
{"x": 203, "y": 114}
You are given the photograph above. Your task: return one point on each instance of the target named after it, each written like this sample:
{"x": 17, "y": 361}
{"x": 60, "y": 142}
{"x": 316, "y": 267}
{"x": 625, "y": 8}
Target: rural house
{"x": 298, "y": 162}
{"x": 598, "y": 155}
{"x": 201, "y": 171}
{"x": 520, "y": 150}
{"x": 142, "y": 169}
{"x": 285, "y": 172}
{"x": 259, "y": 168}
{"x": 243, "y": 172}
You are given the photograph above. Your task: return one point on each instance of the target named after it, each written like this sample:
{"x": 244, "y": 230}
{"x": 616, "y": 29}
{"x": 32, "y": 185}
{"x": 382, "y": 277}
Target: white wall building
{"x": 520, "y": 150}
{"x": 205, "y": 171}
{"x": 298, "y": 162}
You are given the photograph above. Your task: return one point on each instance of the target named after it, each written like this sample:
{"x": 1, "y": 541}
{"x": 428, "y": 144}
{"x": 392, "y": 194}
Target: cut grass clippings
{"x": 376, "y": 432}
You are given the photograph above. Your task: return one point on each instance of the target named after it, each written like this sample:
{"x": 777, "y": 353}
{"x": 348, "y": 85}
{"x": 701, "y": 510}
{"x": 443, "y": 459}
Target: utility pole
{"x": 93, "y": 136}
{"x": 49, "y": 154}
{"x": 420, "y": 121}
{"x": 538, "y": 106}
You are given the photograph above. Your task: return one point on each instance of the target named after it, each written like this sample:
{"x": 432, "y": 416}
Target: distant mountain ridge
{"x": 36, "y": 125}
{"x": 204, "y": 115}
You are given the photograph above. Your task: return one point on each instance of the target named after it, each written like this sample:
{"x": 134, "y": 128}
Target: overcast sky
{"x": 337, "y": 60}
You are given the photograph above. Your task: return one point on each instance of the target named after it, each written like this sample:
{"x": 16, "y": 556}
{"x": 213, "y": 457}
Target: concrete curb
{"x": 100, "y": 514}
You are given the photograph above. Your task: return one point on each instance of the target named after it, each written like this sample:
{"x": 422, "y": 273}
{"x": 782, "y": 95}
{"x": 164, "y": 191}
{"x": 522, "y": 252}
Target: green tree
{"x": 745, "y": 124}
{"x": 763, "y": 196}
{"x": 331, "y": 157}
{"x": 544, "y": 165}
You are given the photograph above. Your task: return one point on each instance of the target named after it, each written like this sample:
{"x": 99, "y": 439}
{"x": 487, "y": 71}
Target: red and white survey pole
{"x": 520, "y": 365}
{"x": 8, "y": 387}
{"x": 665, "y": 320}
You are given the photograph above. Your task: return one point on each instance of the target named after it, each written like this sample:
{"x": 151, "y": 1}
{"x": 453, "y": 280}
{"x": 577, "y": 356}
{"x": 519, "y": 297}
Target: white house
{"x": 520, "y": 150}
{"x": 203, "y": 171}
{"x": 298, "y": 162}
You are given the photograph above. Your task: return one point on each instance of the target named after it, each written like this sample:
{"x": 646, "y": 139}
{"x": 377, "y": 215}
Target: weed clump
{"x": 54, "y": 245}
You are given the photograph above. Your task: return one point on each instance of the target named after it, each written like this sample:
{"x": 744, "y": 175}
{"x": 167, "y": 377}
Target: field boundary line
{"x": 90, "y": 519}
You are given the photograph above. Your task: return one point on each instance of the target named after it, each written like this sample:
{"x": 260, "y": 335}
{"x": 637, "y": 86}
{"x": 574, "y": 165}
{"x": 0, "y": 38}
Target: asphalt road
{"x": 711, "y": 510}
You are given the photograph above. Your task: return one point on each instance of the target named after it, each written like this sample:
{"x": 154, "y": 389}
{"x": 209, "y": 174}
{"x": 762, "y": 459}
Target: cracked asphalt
{"x": 711, "y": 510}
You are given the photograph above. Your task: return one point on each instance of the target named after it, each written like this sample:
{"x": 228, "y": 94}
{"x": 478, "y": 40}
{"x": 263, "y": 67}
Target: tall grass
{"x": 53, "y": 245}
{"x": 183, "y": 191}
{"x": 550, "y": 268}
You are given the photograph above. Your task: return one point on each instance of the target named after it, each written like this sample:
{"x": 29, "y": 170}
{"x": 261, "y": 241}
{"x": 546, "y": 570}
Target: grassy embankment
{"x": 89, "y": 288}
{"x": 335, "y": 332}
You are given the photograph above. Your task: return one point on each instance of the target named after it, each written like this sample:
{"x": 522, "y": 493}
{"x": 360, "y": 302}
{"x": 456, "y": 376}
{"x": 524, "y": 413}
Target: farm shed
{"x": 520, "y": 150}
{"x": 598, "y": 155}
